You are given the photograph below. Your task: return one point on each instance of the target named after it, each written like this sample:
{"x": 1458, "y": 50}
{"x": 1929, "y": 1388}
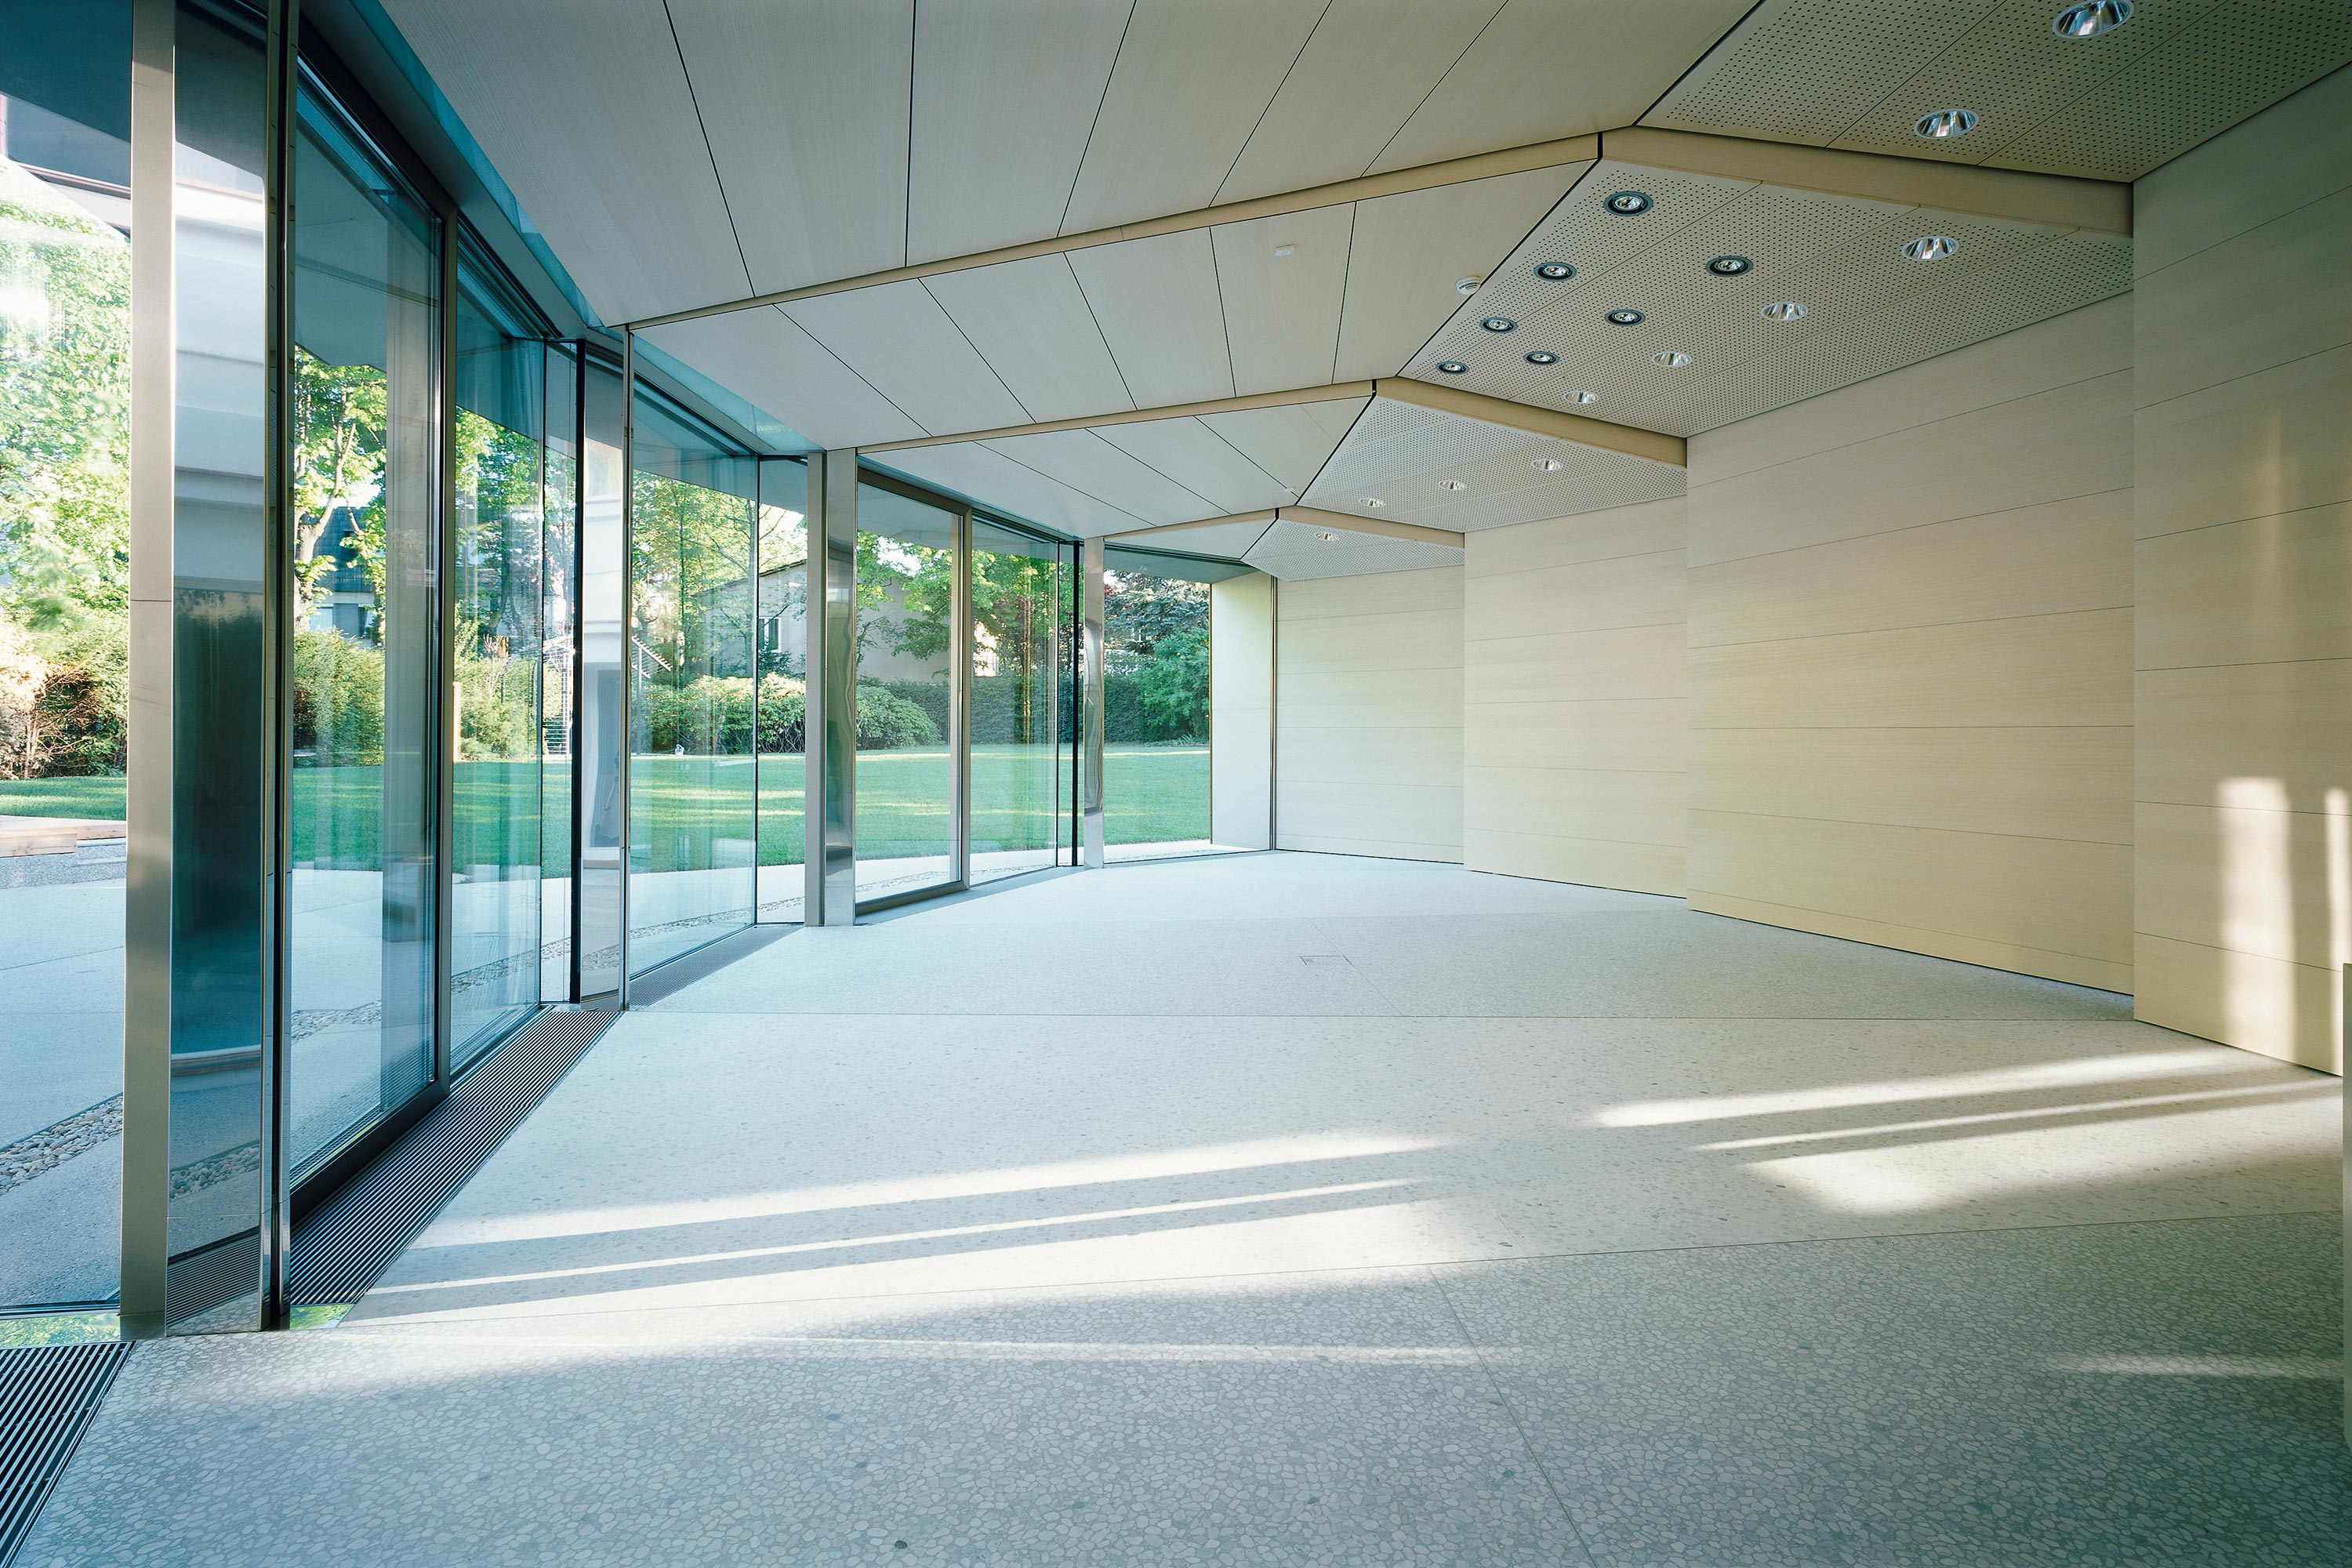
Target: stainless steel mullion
{"x": 628, "y": 639}
{"x": 829, "y": 733}
{"x": 445, "y": 749}
{"x": 1090, "y": 668}
{"x": 960, "y": 650}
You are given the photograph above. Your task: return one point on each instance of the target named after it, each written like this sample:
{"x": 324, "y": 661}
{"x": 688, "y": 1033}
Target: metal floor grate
{"x": 342, "y": 1247}
{"x": 47, "y": 1395}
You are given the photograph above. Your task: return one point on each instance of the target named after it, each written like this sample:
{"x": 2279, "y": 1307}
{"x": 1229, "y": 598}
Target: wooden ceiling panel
{"x": 764, "y": 356}
{"x": 1282, "y": 311}
{"x": 1030, "y": 322}
{"x": 1086, "y": 462}
{"x": 1368, "y": 66}
{"x": 1412, "y": 248}
{"x": 804, "y": 102}
{"x": 1543, "y": 70}
{"x": 1157, "y": 300}
{"x": 1292, "y": 443}
{"x": 1193, "y": 79}
{"x": 897, "y": 336}
{"x": 1202, "y": 461}
{"x": 1005, "y": 92}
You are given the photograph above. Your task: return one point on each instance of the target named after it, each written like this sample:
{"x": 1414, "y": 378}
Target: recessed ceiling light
{"x": 1451, "y": 367}
{"x": 1465, "y": 286}
{"x": 1549, "y": 464}
{"x": 2094, "y": 20}
{"x": 1555, "y": 270}
{"x": 1944, "y": 125}
{"x": 1584, "y": 397}
{"x": 1500, "y": 324}
{"x": 1931, "y": 248}
{"x": 1730, "y": 266}
{"x": 1783, "y": 311}
{"x": 1374, "y": 502}
{"x": 1325, "y": 536}
{"x": 1286, "y": 249}
{"x": 1628, "y": 202}
{"x": 1627, "y": 317}
{"x": 1672, "y": 359}
{"x": 1452, "y": 485}
{"x": 1543, "y": 356}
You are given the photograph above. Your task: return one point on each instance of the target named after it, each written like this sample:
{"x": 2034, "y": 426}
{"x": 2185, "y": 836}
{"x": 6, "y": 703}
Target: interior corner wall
{"x": 2243, "y": 426}
{"x": 1240, "y": 711}
{"x": 1368, "y": 719}
{"x": 1575, "y": 734}
{"x": 1910, "y": 656}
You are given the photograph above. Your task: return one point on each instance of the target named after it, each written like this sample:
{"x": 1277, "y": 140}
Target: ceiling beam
{"x": 1453, "y": 172}
{"x": 1627, "y": 440}
{"x": 1312, "y": 517}
{"x": 1334, "y": 392}
{"x": 2011, "y": 195}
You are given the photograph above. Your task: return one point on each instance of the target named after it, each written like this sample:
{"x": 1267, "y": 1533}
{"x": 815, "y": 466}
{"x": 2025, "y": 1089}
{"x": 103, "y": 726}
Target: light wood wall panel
{"x": 2242, "y": 909}
{"x": 1575, "y": 720}
{"x": 1241, "y": 710}
{"x": 1910, "y": 658}
{"x": 1368, "y": 726}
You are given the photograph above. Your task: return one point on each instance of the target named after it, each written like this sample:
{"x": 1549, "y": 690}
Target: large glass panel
{"x": 1020, "y": 786}
{"x": 596, "y": 756}
{"x": 558, "y": 668}
{"x": 367, "y": 331}
{"x": 495, "y": 851}
{"x": 65, "y": 535}
{"x": 783, "y": 687}
{"x": 1156, "y": 719}
{"x": 906, "y": 779}
{"x": 692, "y": 809}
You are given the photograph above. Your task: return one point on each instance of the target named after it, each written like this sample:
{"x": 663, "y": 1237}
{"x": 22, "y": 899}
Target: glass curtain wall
{"x": 598, "y": 749}
{"x": 558, "y": 668}
{"x": 783, "y": 651}
{"x": 1156, "y": 718}
{"x": 364, "y": 635}
{"x": 691, "y": 801}
{"x": 498, "y": 853}
{"x": 1020, "y": 789}
{"x": 65, "y": 537}
{"x": 906, "y": 693}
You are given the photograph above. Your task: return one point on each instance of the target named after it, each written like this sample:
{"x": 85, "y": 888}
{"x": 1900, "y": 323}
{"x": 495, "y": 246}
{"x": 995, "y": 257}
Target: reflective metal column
{"x": 1090, "y": 671}
{"x": 628, "y": 734}
{"x": 829, "y": 724}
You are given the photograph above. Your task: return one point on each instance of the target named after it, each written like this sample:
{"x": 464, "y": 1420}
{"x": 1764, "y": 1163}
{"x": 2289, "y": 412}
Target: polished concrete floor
{"x": 1297, "y": 1209}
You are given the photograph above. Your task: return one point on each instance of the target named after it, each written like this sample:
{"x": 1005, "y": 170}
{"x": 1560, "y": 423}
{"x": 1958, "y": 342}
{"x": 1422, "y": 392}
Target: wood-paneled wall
{"x": 1910, "y": 669}
{"x": 2244, "y": 418}
{"x": 1241, "y": 710}
{"x": 1575, "y": 729}
{"x": 1367, "y": 727}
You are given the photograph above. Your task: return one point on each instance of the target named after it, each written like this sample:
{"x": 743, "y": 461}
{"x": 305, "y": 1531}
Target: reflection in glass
{"x": 782, "y": 644}
{"x": 1156, "y": 718}
{"x": 597, "y": 755}
{"x": 692, "y": 809}
{"x": 363, "y": 653}
{"x": 65, "y": 534}
{"x": 496, "y": 853}
{"x": 1020, "y": 611}
{"x": 559, "y": 673}
{"x": 905, "y": 777}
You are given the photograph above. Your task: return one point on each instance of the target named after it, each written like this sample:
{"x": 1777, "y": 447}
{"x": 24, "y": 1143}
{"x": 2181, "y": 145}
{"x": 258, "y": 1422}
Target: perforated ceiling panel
{"x": 1410, "y": 459}
{"x": 1296, "y": 550}
{"x": 1868, "y": 307}
{"x": 1860, "y": 74}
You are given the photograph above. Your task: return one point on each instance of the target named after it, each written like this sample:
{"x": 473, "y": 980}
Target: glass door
{"x": 908, "y": 714}
{"x": 1020, "y": 610}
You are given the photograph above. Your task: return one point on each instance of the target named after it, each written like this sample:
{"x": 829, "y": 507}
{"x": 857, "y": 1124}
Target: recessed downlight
{"x": 1374, "y": 502}
{"x": 1783, "y": 311}
{"x": 1325, "y": 535}
{"x": 1554, "y": 270}
{"x": 1730, "y": 266}
{"x": 1627, "y": 317}
{"x": 1931, "y": 248}
{"x": 1465, "y": 286}
{"x": 1673, "y": 359}
{"x": 1451, "y": 367}
{"x": 1584, "y": 397}
{"x": 1944, "y": 125}
{"x": 1547, "y": 465}
{"x": 1454, "y": 485}
{"x": 1286, "y": 249}
{"x": 1500, "y": 324}
{"x": 1628, "y": 202}
{"x": 1543, "y": 356}
{"x": 2094, "y": 20}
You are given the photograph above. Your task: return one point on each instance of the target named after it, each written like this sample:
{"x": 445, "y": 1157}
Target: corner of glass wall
{"x": 780, "y": 697}
{"x": 1158, "y": 729}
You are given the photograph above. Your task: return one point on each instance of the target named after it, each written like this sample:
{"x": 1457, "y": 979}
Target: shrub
{"x": 338, "y": 700}
{"x": 714, "y": 713}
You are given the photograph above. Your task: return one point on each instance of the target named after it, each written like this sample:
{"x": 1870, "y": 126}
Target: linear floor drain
{"x": 47, "y": 1395}
{"x": 342, "y": 1247}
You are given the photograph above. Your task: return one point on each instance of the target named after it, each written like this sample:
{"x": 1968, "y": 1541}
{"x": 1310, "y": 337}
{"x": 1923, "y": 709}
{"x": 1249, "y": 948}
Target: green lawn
{"x": 1150, "y": 794}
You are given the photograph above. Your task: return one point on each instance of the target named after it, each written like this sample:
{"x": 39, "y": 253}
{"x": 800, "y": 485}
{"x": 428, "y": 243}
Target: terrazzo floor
{"x": 1299, "y": 1209}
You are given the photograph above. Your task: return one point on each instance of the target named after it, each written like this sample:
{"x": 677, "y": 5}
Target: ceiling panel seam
{"x": 2122, "y": 63}
{"x": 1225, "y": 316}
{"x": 1916, "y": 71}
{"x": 1340, "y": 445}
{"x": 1108, "y": 77}
{"x": 1073, "y": 490}
{"x": 1425, "y": 97}
{"x": 1245, "y": 457}
{"x": 926, "y": 285}
{"x": 709, "y": 152}
{"x": 852, "y": 369}
{"x": 906, "y": 207}
{"x": 1702, "y": 56}
{"x": 1096, "y": 321}
{"x": 1172, "y": 479}
{"x": 1268, "y": 106}
{"x": 1347, "y": 265}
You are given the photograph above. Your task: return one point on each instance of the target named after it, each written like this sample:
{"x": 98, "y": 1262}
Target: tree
{"x": 339, "y": 439}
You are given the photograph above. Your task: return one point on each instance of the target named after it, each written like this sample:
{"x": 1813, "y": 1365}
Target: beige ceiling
{"x": 1859, "y": 73}
{"x": 677, "y": 154}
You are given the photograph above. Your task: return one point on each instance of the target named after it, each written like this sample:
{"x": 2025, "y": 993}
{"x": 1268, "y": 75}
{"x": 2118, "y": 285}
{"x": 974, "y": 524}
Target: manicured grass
{"x": 1151, "y": 794}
